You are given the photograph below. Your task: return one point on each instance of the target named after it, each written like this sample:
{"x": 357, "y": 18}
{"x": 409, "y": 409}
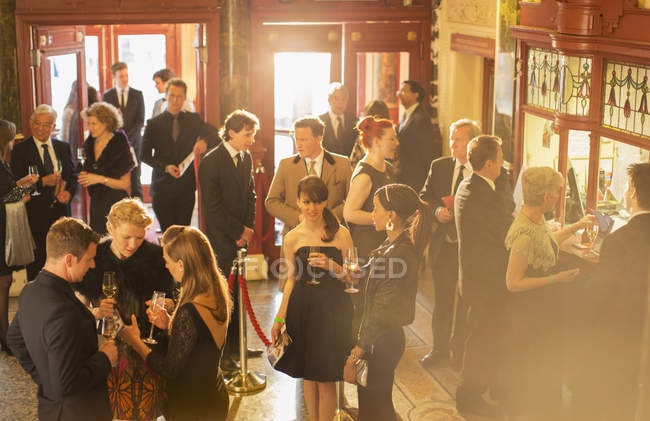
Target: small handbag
{"x": 276, "y": 350}
{"x": 19, "y": 243}
{"x": 361, "y": 372}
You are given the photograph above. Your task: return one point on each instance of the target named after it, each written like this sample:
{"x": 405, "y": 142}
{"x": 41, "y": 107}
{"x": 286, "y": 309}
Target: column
{"x": 9, "y": 99}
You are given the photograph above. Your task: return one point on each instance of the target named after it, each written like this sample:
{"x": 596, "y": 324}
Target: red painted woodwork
{"x": 476, "y": 46}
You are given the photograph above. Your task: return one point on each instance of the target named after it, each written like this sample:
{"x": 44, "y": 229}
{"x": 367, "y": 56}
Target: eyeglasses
{"x": 37, "y": 124}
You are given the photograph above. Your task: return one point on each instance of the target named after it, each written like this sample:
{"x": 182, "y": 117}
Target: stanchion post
{"x": 342, "y": 413}
{"x": 245, "y": 382}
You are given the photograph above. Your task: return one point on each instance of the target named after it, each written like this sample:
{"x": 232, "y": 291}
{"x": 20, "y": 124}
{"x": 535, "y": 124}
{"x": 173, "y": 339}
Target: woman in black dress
{"x": 10, "y": 191}
{"x": 109, "y": 161}
{"x": 196, "y": 330}
{"x": 317, "y": 311}
{"x": 134, "y": 390}
{"x": 534, "y": 314}
{"x": 389, "y": 296}
{"x": 379, "y": 139}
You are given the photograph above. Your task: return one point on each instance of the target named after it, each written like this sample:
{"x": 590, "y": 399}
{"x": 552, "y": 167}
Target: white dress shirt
{"x": 50, "y": 149}
{"x": 119, "y": 96}
{"x": 318, "y": 163}
{"x": 233, "y": 153}
{"x": 467, "y": 173}
{"x": 407, "y": 114}
{"x": 335, "y": 121}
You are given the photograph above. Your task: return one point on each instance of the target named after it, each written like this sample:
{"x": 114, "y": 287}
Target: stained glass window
{"x": 543, "y": 78}
{"x": 625, "y": 105}
{"x": 575, "y": 92}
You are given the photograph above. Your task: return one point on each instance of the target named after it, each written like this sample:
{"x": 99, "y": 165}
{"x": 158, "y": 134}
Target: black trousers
{"x": 376, "y": 399}
{"x": 39, "y": 253}
{"x": 445, "y": 278}
{"x": 136, "y": 184}
{"x": 484, "y": 350}
{"x": 173, "y": 207}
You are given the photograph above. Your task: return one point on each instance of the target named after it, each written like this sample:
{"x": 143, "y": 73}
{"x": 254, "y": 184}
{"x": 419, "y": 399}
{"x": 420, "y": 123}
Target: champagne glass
{"x": 109, "y": 285}
{"x": 33, "y": 170}
{"x": 157, "y": 301}
{"x": 81, "y": 158}
{"x": 352, "y": 267}
{"x": 109, "y": 328}
{"x": 313, "y": 281}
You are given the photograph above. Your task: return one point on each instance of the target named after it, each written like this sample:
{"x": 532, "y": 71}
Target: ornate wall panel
{"x": 625, "y": 105}
{"x": 575, "y": 85}
{"x": 543, "y": 78}
{"x": 473, "y": 12}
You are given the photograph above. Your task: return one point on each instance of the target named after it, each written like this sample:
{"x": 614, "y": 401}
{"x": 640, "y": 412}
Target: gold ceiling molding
{"x": 473, "y": 12}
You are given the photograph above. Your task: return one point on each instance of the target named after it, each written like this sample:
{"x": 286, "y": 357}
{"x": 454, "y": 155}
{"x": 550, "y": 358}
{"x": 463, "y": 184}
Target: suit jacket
{"x": 283, "y": 193}
{"x": 43, "y": 210}
{"x": 57, "y": 346}
{"x": 160, "y": 150}
{"x": 133, "y": 116}
{"x": 614, "y": 296}
{"x": 228, "y": 196}
{"x": 420, "y": 142}
{"x": 483, "y": 217}
{"x": 331, "y": 143}
{"x": 438, "y": 185}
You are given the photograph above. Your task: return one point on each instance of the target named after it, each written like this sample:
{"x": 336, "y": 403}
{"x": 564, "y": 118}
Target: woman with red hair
{"x": 379, "y": 139}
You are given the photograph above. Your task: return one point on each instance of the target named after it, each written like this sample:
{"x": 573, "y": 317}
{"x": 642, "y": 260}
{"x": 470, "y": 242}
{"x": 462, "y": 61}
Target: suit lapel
{"x": 410, "y": 120}
{"x": 36, "y": 156}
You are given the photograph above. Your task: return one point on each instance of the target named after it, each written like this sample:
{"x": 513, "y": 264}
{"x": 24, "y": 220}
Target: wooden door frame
{"x": 26, "y": 18}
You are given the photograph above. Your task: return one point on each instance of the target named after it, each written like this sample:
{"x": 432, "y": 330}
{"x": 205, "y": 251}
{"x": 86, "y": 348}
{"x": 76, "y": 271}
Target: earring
{"x": 389, "y": 225}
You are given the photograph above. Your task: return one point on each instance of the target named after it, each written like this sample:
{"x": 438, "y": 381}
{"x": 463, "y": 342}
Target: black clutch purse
{"x": 276, "y": 350}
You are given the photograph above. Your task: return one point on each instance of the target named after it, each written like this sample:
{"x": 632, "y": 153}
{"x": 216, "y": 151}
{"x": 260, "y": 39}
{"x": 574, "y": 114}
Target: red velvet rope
{"x": 247, "y": 303}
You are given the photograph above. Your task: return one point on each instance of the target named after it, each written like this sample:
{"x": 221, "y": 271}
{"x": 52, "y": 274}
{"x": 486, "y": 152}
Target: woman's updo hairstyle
{"x": 316, "y": 190}
{"x": 130, "y": 211}
{"x": 416, "y": 215}
{"x": 371, "y": 128}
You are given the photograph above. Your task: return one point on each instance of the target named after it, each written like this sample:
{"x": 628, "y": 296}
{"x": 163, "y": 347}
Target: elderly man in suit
{"x": 53, "y": 334}
{"x": 169, "y": 139}
{"x": 58, "y": 182}
{"x": 312, "y": 159}
{"x": 445, "y": 175}
{"x": 419, "y": 141}
{"x": 130, "y": 102}
{"x": 340, "y": 133}
{"x": 228, "y": 196}
{"x": 483, "y": 216}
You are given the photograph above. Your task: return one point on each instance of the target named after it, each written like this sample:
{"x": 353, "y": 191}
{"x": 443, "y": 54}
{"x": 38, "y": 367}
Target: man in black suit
{"x": 340, "y": 133}
{"x": 228, "y": 196}
{"x": 420, "y": 141}
{"x": 443, "y": 180}
{"x": 169, "y": 139}
{"x": 57, "y": 183}
{"x": 616, "y": 294}
{"x": 53, "y": 334}
{"x": 483, "y": 216}
{"x": 130, "y": 102}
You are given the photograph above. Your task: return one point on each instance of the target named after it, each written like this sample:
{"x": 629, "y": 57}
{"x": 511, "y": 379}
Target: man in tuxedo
{"x": 340, "y": 133}
{"x": 483, "y": 216}
{"x": 130, "y": 102}
{"x": 228, "y": 196}
{"x": 312, "y": 159}
{"x": 57, "y": 183}
{"x": 445, "y": 175}
{"x": 614, "y": 297}
{"x": 170, "y": 139}
{"x": 160, "y": 78}
{"x": 419, "y": 141}
{"x": 53, "y": 334}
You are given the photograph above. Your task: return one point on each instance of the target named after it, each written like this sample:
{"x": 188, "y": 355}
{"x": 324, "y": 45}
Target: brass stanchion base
{"x": 250, "y": 384}
{"x": 346, "y": 414}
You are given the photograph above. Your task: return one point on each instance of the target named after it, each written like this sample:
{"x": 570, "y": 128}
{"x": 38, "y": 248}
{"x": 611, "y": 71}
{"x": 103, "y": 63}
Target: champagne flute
{"x": 109, "y": 328}
{"x": 157, "y": 300}
{"x": 313, "y": 281}
{"x": 352, "y": 267}
{"x": 81, "y": 158}
{"x": 33, "y": 170}
{"x": 109, "y": 285}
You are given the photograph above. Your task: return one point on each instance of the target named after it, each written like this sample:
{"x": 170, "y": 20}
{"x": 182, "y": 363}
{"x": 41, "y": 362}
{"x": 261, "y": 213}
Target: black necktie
{"x": 339, "y": 128}
{"x": 458, "y": 179}
{"x": 176, "y": 129}
{"x": 48, "y": 166}
{"x": 122, "y": 104}
{"x": 238, "y": 158}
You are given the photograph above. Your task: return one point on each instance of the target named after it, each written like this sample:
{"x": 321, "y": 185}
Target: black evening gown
{"x": 533, "y": 365}
{"x": 190, "y": 365}
{"x": 115, "y": 160}
{"x": 365, "y": 237}
{"x": 319, "y": 321}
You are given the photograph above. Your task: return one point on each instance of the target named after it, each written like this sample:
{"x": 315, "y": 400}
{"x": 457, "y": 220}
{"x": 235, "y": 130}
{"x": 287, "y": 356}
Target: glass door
{"x": 57, "y": 80}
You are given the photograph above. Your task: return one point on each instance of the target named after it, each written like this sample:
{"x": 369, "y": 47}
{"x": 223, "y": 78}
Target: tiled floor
{"x": 418, "y": 394}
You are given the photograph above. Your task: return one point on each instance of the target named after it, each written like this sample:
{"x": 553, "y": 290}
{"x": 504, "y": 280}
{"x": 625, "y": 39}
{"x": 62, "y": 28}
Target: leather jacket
{"x": 390, "y": 290}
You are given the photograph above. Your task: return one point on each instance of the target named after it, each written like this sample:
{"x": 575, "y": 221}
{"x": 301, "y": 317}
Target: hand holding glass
{"x": 313, "y": 253}
{"x": 157, "y": 301}
{"x": 109, "y": 284}
{"x": 33, "y": 170}
{"x": 351, "y": 264}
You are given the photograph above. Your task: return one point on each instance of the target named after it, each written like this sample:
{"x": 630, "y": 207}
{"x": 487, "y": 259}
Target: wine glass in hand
{"x": 314, "y": 252}
{"x": 109, "y": 285}
{"x": 33, "y": 170}
{"x": 157, "y": 302}
{"x": 351, "y": 264}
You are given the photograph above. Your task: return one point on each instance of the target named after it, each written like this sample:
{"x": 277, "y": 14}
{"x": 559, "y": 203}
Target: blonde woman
{"x": 534, "y": 315}
{"x": 109, "y": 161}
{"x": 134, "y": 390}
{"x": 196, "y": 330}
